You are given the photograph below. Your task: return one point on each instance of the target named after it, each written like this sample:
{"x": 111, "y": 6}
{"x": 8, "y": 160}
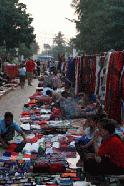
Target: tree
{"x": 34, "y": 47}
{"x": 15, "y": 24}
{"x": 59, "y": 40}
{"x": 60, "y": 46}
{"x": 28, "y": 51}
{"x": 100, "y": 25}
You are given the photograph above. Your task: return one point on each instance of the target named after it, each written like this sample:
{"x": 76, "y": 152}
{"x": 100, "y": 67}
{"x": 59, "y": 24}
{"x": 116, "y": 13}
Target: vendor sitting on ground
{"x": 56, "y": 81}
{"x": 8, "y": 128}
{"x": 93, "y": 108}
{"x": 86, "y": 101}
{"x": 47, "y": 80}
{"x": 55, "y": 95}
{"x": 109, "y": 158}
{"x": 90, "y": 140}
{"x": 41, "y": 81}
{"x": 72, "y": 109}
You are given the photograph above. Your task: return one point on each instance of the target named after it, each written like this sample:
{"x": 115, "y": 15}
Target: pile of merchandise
{"x": 48, "y": 155}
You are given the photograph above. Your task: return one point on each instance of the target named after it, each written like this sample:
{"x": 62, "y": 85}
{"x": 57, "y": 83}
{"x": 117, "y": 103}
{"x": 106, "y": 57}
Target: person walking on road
{"x": 22, "y": 75}
{"x": 38, "y": 68}
{"x": 8, "y": 128}
{"x": 30, "y": 67}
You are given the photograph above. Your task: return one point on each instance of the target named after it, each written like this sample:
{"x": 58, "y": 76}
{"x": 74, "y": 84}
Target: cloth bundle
{"x": 56, "y": 113}
{"x": 45, "y": 166}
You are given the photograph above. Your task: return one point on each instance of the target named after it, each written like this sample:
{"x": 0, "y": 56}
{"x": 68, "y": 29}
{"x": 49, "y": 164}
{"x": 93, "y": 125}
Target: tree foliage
{"x": 15, "y": 24}
{"x": 100, "y": 25}
{"x": 28, "y": 51}
{"x": 59, "y": 40}
{"x": 60, "y": 46}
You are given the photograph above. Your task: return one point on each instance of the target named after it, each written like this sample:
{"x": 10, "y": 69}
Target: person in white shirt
{"x": 22, "y": 75}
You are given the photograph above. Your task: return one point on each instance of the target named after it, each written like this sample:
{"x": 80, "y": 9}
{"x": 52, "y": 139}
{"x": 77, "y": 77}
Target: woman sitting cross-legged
{"x": 110, "y": 156}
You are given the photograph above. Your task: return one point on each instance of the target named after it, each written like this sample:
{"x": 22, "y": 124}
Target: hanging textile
{"x": 92, "y": 61}
{"x": 122, "y": 84}
{"x": 97, "y": 74}
{"x": 122, "y": 95}
{"x": 100, "y": 75}
{"x": 89, "y": 74}
{"x": 86, "y": 73}
{"x": 113, "y": 97}
{"x": 77, "y": 74}
{"x": 104, "y": 61}
{"x": 70, "y": 73}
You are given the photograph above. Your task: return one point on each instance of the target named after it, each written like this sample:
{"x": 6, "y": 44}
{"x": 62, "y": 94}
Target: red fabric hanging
{"x": 89, "y": 74}
{"x": 86, "y": 74}
{"x": 113, "y": 97}
{"x": 77, "y": 75}
{"x": 93, "y": 74}
{"x": 122, "y": 86}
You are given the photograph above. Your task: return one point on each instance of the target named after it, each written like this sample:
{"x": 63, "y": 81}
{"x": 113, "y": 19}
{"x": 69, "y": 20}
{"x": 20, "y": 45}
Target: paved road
{"x": 14, "y": 100}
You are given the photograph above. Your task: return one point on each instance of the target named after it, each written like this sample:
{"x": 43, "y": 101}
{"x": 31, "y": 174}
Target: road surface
{"x": 14, "y": 100}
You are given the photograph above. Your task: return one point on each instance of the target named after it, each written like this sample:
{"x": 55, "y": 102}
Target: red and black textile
{"x": 89, "y": 74}
{"x": 56, "y": 113}
{"x": 93, "y": 74}
{"x": 113, "y": 92}
{"x": 47, "y": 166}
{"x": 45, "y": 99}
{"x": 86, "y": 72}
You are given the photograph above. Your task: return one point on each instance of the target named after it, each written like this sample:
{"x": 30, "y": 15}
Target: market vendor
{"x": 56, "y": 96}
{"x": 8, "y": 128}
{"x": 109, "y": 158}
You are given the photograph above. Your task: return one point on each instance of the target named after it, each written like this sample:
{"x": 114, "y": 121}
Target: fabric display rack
{"x": 101, "y": 75}
{"x": 45, "y": 157}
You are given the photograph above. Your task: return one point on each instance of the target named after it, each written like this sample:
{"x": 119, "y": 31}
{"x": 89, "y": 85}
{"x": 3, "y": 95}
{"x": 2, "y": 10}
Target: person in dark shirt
{"x": 38, "y": 68}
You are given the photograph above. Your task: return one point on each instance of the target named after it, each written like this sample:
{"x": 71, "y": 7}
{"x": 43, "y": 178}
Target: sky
{"x": 50, "y": 18}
